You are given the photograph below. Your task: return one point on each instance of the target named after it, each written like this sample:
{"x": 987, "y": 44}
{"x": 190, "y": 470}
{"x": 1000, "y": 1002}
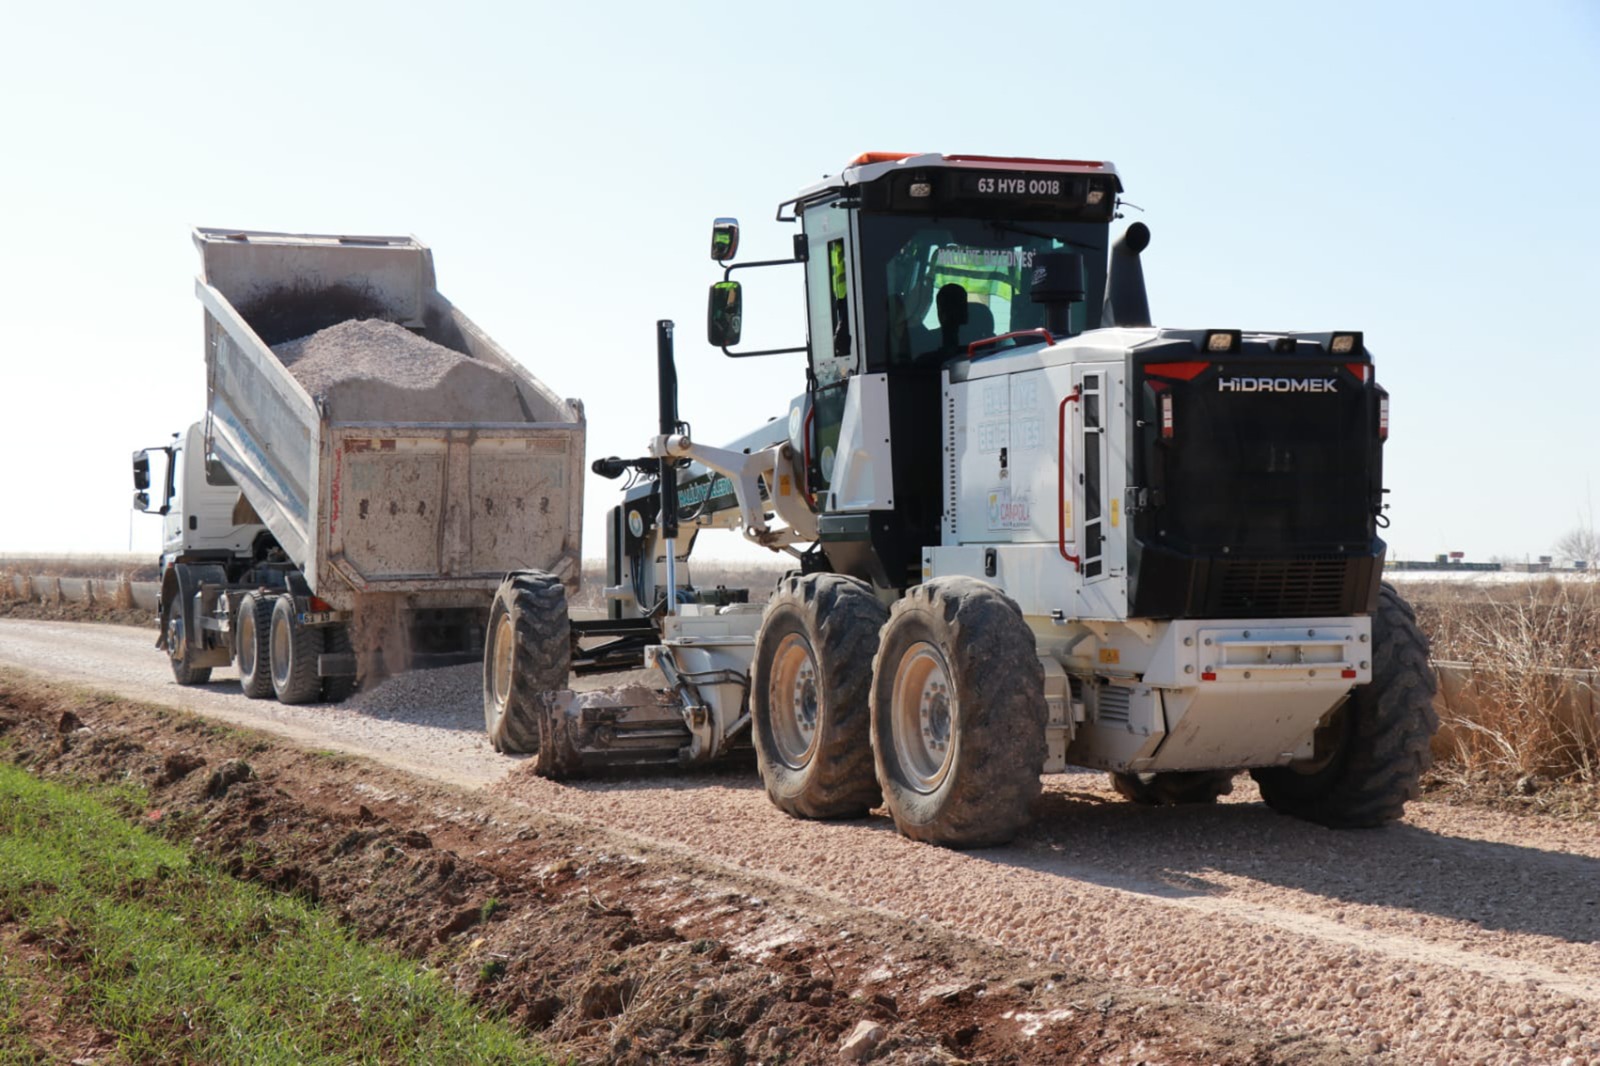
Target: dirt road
{"x": 1460, "y": 935}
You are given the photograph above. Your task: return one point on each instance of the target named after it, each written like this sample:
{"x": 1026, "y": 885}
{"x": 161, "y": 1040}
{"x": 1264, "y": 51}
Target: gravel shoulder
{"x": 1458, "y": 935}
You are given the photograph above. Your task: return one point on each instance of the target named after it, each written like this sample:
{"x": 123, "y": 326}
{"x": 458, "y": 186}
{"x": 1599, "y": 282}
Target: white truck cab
{"x": 203, "y": 512}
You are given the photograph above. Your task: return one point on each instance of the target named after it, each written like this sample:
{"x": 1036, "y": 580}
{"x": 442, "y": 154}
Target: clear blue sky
{"x": 1425, "y": 172}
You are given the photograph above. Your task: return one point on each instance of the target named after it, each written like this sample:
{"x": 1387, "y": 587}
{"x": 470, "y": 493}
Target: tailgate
{"x": 417, "y": 507}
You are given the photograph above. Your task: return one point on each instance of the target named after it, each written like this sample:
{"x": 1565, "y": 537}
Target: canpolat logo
{"x": 1277, "y": 385}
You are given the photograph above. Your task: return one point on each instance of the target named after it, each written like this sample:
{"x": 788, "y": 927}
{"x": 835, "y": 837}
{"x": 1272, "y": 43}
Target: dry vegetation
{"x": 1521, "y": 712}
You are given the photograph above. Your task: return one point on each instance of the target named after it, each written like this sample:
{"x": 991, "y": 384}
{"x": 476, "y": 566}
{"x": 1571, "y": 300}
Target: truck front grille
{"x": 1282, "y": 588}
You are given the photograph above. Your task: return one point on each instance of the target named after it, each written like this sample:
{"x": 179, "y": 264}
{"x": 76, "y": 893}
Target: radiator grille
{"x": 1282, "y": 588}
{"x": 1112, "y": 705}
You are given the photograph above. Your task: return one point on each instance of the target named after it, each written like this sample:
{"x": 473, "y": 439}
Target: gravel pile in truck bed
{"x": 369, "y": 370}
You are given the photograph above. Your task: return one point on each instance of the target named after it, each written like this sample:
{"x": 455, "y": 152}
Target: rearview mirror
{"x": 724, "y": 239}
{"x": 141, "y": 470}
{"x": 141, "y": 501}
{"x": 724, "y": 314}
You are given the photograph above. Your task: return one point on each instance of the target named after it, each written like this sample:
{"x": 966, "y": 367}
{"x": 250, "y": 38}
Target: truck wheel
{"x": 178, "y": 651}
{"x": 1369, "y": 756}
{"x": 254, "y": 635}
{"x": 528, "y": 655}
{"x": 1174, "y": 787}
{"x": 336, "y": 641}
{"x": 810, "y": 687}
{"x": 293, "y": 650}
{"x": 958, "y": 714}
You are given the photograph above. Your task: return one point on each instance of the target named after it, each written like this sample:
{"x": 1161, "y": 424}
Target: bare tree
{"x": 1583, "y": 542}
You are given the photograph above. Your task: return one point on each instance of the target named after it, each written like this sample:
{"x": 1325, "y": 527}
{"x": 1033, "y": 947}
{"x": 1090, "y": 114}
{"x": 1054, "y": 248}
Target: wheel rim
{"x": 924, "y": 711}
{"x": 175, "y": 637}
{"x": 795, "y": 698}
{"x": 505, "y": 648}
{"x": 280, "y": 649}
{"x": 247, "y": 638}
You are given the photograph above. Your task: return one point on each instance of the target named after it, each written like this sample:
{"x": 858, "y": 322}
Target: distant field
{"x": 71, "y": 564}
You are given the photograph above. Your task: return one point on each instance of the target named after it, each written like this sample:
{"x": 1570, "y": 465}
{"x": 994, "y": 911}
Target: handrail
{"x": 1061, "y": 482}
{"x": 975, "y": 345}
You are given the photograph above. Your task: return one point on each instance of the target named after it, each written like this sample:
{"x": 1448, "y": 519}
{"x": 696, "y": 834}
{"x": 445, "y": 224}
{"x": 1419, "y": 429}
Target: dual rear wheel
{"x": 934, "y": 707}
{"x": 278, "y": 655}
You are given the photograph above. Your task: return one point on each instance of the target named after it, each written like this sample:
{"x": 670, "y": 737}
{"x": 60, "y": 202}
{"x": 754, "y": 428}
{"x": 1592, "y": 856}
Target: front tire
{"x": 1372, "y": 751}
{"x": 293, "y": 651}
{"x": 254, "y": 635}
{"x": 527, "y": 657}
{"x": 958, "y": 715}
{"x": 178, "y": 650}
{"x": 810, "y": 688}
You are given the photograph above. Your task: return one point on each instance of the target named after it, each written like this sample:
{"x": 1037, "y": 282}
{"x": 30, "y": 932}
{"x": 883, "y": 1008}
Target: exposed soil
{"x": 77, "y": 611}
{"x": 609, "y": 948}
{"x": 1461, "y": 934}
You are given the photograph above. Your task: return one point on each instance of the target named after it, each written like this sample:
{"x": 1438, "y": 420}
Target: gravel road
{"x": 1459, "y": 935}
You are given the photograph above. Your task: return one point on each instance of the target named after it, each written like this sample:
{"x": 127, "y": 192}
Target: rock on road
{"x": 1458, "y": 935}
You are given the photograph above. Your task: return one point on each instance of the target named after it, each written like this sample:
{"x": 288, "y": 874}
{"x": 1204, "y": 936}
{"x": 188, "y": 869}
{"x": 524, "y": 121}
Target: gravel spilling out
{"x": 418, "y": 695}
{"x": 369, "y": 370}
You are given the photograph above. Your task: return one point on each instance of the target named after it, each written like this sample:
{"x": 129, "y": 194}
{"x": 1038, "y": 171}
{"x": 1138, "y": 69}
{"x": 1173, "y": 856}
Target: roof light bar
{"x": 1223, "y": 340}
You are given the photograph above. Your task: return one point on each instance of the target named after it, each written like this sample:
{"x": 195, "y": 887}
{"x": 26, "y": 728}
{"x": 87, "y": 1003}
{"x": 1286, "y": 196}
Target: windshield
{"x": 914, "y": 266}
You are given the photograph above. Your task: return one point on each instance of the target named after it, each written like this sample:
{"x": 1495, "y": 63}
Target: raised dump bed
{"x": 388, "y": 444}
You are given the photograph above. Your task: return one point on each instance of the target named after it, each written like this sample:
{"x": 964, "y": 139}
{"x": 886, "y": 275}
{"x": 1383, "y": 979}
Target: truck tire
{"x": 292, "y": 655}
{"x": 1173, "y": 788}
{"x": 336, "y": 641}
{"x": 527, "y": 656}
{"x": 254, "y": 635}
{"x": 1372, "y": 751}
{"x": 958, "y": 714}
{"x": 178, "y": 651}
{"x": 810, "y": 688}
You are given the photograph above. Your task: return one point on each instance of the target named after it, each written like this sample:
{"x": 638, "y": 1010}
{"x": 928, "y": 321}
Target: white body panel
{"x": 1036, "y": 471}
{"x": 859, "y": 473}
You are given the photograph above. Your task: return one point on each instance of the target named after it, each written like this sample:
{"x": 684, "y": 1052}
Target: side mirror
{"x": 141, "y": 470}
{"x": 724, "y": 239}
{"x": 724, "y": 314}
{"x": 141, "y": 501}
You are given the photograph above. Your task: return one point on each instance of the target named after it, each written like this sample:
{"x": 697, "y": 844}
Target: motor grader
{"x": 1030, "y": 530}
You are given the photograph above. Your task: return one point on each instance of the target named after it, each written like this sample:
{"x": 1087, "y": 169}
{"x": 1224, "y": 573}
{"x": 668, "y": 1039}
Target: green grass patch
{"x": 181, "y": 963}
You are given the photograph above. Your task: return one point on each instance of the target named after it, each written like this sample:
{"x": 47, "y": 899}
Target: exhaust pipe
{"x": 1127, "y": 303}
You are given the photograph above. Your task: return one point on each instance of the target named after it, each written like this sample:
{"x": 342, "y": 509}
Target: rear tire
{"x": 810, "y": 695}
{"x": 958, "y": 715}
{"x": 254, "y": 635}
{"x": 293, "y": 655}
{"x": 178, "y": 650}
{"x": 527, "y": 657}
{"x": 1372, "y": 751}
{"x": 1174, "y": 788}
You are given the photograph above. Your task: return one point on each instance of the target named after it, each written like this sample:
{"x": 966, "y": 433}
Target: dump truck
{"x": 370, "y": 465}
{"x": 1030, "y": 530}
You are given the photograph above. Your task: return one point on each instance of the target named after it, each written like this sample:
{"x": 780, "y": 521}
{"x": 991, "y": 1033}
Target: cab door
{"x": 834, "y": 328}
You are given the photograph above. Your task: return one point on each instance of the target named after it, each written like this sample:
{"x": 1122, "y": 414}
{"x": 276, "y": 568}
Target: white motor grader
{"x": 1031, "y": 530}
